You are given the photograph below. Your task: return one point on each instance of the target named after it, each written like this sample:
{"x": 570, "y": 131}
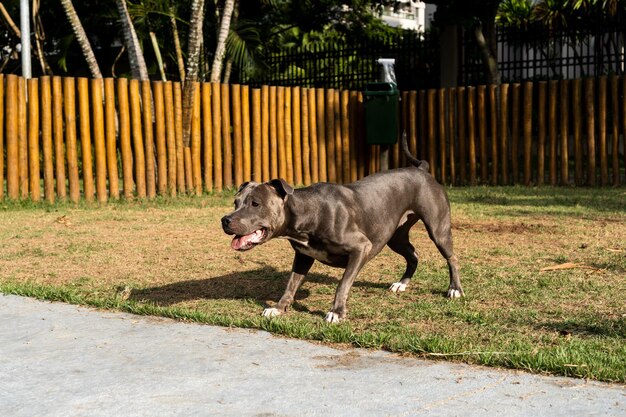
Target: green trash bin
{"x": 381, "y": 113}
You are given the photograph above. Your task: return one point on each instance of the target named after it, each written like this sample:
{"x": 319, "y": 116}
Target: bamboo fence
{"x": 100, "y": 139}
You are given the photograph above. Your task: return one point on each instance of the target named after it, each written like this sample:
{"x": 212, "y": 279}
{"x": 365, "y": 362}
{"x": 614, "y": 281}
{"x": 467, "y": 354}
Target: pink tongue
{"x": 241, "y": 241}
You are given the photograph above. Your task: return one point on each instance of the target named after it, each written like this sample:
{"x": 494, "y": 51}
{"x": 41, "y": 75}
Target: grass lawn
{"x": 169, "y": 257}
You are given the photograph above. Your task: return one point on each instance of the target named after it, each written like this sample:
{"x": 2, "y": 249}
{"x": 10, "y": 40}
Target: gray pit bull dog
{"x": 345, "y": 226}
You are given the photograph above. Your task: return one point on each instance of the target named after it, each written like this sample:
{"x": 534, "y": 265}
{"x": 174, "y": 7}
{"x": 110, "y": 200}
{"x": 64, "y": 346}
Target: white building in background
{"x": 406, "y": 14}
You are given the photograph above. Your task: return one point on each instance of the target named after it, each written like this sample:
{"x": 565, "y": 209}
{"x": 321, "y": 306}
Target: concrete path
{"x": 64, "y": 360}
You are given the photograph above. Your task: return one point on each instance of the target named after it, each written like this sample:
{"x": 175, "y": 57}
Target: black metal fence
{"x": 352, "y": 66}
{"x": 543, "y": 54}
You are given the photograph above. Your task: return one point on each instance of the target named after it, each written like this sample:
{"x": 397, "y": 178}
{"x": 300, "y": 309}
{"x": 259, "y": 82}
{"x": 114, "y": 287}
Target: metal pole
{"x": 25, "y": 28}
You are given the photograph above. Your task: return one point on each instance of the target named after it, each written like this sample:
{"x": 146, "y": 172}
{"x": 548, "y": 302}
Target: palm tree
{"x": 138, "y": 66}
{"x": 193, "y": 64}
{"x": 218, "y": 60}
{"x": 81, "y": 37}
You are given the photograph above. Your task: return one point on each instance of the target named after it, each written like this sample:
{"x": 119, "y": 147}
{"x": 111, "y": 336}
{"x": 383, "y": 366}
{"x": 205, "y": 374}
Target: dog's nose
{"x": 225, "y": 221}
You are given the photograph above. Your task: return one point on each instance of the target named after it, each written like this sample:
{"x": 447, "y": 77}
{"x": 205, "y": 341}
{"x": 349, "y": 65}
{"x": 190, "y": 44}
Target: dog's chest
{"x": 318, "y": 250}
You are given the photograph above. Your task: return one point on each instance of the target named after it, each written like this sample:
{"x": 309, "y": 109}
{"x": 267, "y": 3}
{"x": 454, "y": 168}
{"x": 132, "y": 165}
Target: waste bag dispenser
{"x": 381, "y": 113}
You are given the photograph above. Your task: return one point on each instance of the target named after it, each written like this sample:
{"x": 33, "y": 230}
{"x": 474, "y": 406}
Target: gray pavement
{"x": 64, "y": 360}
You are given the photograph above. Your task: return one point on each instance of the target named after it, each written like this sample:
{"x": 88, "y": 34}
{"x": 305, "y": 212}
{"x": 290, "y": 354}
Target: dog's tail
{"x": 421, "y": 164}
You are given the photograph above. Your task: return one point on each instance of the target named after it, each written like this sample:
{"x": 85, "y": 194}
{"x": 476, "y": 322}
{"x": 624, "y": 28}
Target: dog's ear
{"x": 282, "y": 187}
{"x": 244, "y": 185}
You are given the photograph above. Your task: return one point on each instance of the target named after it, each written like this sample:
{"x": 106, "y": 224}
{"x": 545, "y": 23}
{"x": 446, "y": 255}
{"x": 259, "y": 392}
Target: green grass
{"x": 178, "y": 264}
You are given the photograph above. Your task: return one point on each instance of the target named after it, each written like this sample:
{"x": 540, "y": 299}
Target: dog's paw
{"x": 452, "y": 293}
{"x": 332, "y": 317}
{"x": 397, "y": 287}
{"x": 271, "y": 312}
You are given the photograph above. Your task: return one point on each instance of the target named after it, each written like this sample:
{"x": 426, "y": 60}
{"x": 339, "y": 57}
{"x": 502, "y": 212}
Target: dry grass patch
{"x": 171, "y": 258}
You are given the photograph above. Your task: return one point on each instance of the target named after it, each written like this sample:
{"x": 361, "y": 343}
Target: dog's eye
{"x": 255, "y": 204}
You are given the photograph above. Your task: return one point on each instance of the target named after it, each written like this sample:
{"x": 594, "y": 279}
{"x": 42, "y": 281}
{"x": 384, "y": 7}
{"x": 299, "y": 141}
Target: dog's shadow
{"x": 259, "y": 285}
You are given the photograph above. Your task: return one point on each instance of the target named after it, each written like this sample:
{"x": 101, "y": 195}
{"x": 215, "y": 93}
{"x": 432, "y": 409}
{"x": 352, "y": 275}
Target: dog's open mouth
{"x": 248, "y": 241}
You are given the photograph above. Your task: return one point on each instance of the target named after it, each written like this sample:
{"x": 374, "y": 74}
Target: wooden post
{"x": 280, "y": 133}
{"x": 288, "y": 136}
{"x": 306, "y": 144}
{"x": 216, "y": 103}
{"x": 422, "y": 138}
{"x": 257, "y": 136}
{"x": 553, "y": 90}
{"x": 227, "y": 140}
{"x": 170, "y": 138}
{"x": 297, "y": 135}
{"x": 13, "y": 182}
{"x": 139, "y": 154}
{"x": 97, "y": 86}
{"x": 207, "y": 132}
{"x": 22, "y": 136}
{"x": 482, "y": 131}
{"x": 110, "y": 137}
{"x": 471, "y": 136}
{"x": 541, "y": 140}
{"x": 528, "y": 131}
{"x": 504, "y": 132}
{"x": 57, "y": 130}
{"x": 590, "y": 113}
{"x": 337, "y": 136}
{"x": 345, "y": 135}
{"x": 257, "y": 154}
{"x": 413, "y": 130}
{"x": 180, "y": 146}
{"x": 125, "y": 139}
{"x": 330, "y": 135}
{"x": 451, "y": 132}
{"x": 196, "y": 141}
{"x": 615, "y": 129}
{"x": 160, "y": 136}
{"x": 312, "y": 121}
{"x": 354, "y": 162}
{"x": 443, "y": 120}
{"x": 564, "y": 133}
{"x": 624, "y": 120}
{"x": 461, "y": 111}
{"x": 33, "y": 139}
{"x": 321, "y": 134}
{"x": 265, "y": 133}
{"x": 2, "y": 97}
{"x": 493, "y": 122}
{"x": 577, "y": 118}
{"x": 46, "y": 138}
{"x": 148, "y": 111}
{"x": 245, "y": 124}
{"x": 70, "y": 137}
{"x": 235, "y": 95}
{"x": 85, "y": 138}
{"x": 604, "y": 166}
{"x": 257, "y": 128}
{"x": 273, "y": 133}
{"x": 515, "y": 122}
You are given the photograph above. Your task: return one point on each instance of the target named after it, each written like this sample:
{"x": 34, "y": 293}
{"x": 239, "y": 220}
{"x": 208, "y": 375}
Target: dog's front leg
{"x": 301, "y": 265}
{"x": 355, "y": 263}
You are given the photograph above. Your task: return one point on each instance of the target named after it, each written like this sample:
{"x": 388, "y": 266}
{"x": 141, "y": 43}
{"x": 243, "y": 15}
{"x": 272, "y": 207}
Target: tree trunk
{"x": 179, "y": 51}
{"x": 81, "y": 37}
{"x": 218, "y": 61}
{"x": 193, "y": 61}
{"x": 138, "y": 66}
{"x": 487, "y": 50}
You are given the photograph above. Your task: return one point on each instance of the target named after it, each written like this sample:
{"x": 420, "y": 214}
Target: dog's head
{"x": 259, "y": 213}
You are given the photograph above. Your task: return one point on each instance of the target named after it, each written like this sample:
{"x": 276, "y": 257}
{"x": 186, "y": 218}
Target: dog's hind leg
{"x": 400, "y": 244}
{"x": 301, "y": 265}
{"x": 441, "y": 234}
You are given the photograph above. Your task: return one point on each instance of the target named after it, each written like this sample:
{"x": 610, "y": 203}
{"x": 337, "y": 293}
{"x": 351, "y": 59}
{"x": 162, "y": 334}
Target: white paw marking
{"x": 397, "y": 287}
{"x": 271, "y": 312}
{"x": 332, "y": 317}
{"x": 454, "y": 293}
